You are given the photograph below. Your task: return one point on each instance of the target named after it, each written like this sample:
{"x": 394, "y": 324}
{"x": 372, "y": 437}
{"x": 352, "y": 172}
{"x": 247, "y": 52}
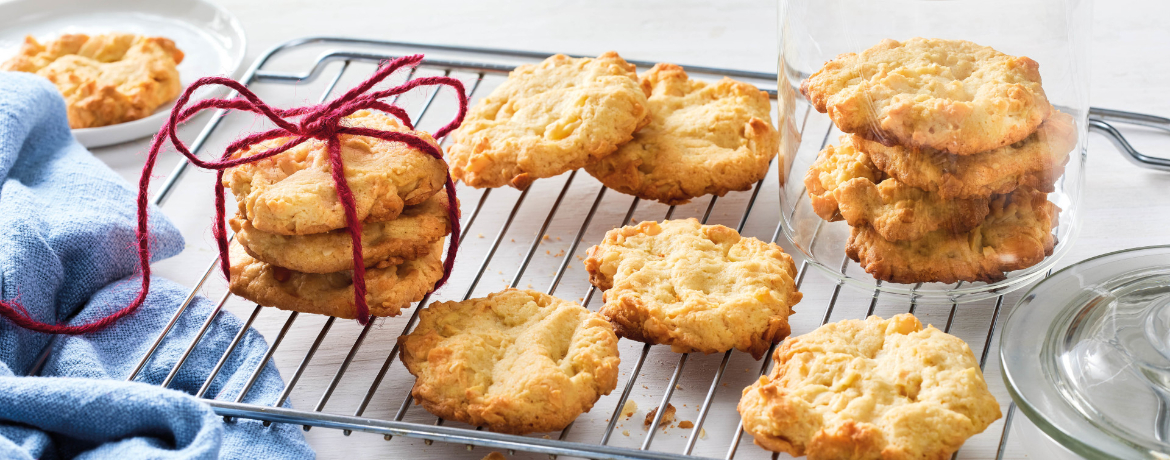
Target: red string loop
{"x": 322, "y": 122}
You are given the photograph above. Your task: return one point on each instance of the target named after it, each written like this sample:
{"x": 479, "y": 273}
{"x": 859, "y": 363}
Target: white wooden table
{"x": 1124, "y": 206}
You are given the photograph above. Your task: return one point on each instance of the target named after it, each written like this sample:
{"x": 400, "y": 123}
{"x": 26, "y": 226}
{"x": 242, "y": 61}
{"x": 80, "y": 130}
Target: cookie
{"x": 515, "y": 361}
{"x": 841, "y": 186}
{"x": 1035, "y": 162}
{"x": 694, "y": 287}
{"x": 293, "y": 193}
{"x": 703, "y": 138}
{"x": 1015, "y": 235}
{"x": 948, "y": 95}
{"x": 548, "y": 118}
{"x": 873, "y": 389}
{"x": 389, "y": 287}
{"x": 407, "y": 237}
{"x": 105, "y": 79}
{"x": 834, "y": 166}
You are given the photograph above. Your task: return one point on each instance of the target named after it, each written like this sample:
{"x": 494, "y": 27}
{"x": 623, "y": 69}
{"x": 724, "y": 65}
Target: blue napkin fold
{"x": 67, "y": 254}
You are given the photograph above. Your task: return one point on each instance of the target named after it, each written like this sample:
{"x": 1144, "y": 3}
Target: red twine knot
{"x": 321, "y": 122}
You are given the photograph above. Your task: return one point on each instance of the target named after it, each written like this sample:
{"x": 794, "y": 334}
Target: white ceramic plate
{"x": 211, "y": 40}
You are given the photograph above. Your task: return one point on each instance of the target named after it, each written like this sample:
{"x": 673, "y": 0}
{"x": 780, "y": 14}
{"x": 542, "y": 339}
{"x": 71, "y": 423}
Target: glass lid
{"x": 1086, "y": 355}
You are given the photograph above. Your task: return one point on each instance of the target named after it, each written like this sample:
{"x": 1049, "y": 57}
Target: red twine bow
{"x": 322, "y": 122}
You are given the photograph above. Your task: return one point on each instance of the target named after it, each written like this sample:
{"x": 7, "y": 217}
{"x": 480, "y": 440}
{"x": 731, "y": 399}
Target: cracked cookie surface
{"x": 872, "y": 389}
{"x": 548, "y": 118}
{"x": 703, "y": 138}
{"x": 516, "y": 361}
{"x": 948, "y": 95}
{"x": 694, "y": 287}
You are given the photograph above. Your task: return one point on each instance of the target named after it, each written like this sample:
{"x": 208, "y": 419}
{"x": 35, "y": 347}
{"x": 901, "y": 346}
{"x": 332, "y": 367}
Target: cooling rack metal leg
{"x": 617, "y": 411}
{"x": 532, "y": 247}
{"x": 1007, "y": 425}
{"x": 292, "y": 381}
{"x": 195, "y": 341}
{"x": 576, "y": 242}
{"x": 478, "y": 276}
{"x": 662, "y": 406}
{"x": 228, "y": 352}
{"x": 357, "y": 344}
{"x": 410, "y": 323}
{"x": 267, "y": 356}
{"x": 171, "y": 324}
{"x": 703, "y": 410}
{"x": 731, "y": 450}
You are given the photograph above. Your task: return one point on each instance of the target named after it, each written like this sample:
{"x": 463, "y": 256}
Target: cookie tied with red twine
{"x": 321, "y": 122}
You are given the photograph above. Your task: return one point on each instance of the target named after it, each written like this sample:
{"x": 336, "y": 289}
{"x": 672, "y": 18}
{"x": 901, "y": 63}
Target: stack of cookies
{"x": 292, "y": 249}
{"x": 660, "y": 136}
{"x": 950, "y": 151}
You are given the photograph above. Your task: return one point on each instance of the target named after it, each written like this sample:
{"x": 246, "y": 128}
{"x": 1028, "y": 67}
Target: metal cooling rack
{"x": 479, "y": 63}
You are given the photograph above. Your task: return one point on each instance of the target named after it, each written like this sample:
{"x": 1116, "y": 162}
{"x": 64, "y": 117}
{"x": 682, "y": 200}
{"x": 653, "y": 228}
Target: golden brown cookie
{"x": 407, "y": 237}
{"x": 835, "y": 166}
{"x": 949, "y": 95}
{"x": 703, "y": 138}
{"x": 1016, "y": 234}
{"x": 1034, "y": 162}
{"x": 389, "y": 288}
{"x": 873, "y": 389}
{"x": 694, "y": 287}
{"x": 515, "y": 361}
{"x": 105, "y": 79}
{"x": 293, "y": 193}
{"x": 548, "y": 118}
{"x": 841, "y": 186}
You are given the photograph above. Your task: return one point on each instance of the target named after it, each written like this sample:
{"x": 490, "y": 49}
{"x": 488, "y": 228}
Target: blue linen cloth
{"x": 67, "y": 254}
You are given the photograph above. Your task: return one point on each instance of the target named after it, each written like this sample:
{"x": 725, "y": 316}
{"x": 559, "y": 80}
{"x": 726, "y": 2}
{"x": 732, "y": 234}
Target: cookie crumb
{"x": 686, "y": 424}
{"x": 629, "y": 408}
{"x": 702, "y": 433}
{"x": 495, "y": 456}
{"x": 481, "y": 236}
{"x": 667, "y": 416}
{"x": 678, "y": 387}
{"x": 546, "y": 238}
{"x": 625, "y": 432}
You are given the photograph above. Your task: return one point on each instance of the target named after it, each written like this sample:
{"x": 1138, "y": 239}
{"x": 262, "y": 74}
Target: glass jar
{"x": 912, "y": 243}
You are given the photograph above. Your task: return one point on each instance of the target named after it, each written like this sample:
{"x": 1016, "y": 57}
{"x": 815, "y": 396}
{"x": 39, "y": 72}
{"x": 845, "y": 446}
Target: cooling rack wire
{"x": 581, "y": 210}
